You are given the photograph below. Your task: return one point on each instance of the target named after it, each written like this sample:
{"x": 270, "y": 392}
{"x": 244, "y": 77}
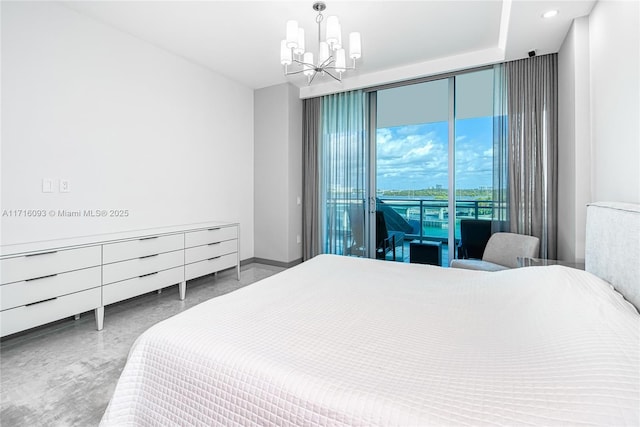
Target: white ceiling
{"x": 241, "y": 39}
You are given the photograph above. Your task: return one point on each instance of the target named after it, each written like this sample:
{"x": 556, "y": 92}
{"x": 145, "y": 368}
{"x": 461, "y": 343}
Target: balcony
{"x": 427, "y": 219}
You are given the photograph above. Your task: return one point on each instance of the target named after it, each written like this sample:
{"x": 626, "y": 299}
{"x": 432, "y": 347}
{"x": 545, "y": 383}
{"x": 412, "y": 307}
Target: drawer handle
{"x": 148, "y": 256}
{"x": 216, "y": 257}
{"x": 40, "y": 302}
{"x": 42, "y": 277}
{"x": 42, "y": 253}
{"x": 214, "y": 243}
{"x": 149, "y": 238}
{"x": 213, "y": 229}
{"x": 147, "y": 275}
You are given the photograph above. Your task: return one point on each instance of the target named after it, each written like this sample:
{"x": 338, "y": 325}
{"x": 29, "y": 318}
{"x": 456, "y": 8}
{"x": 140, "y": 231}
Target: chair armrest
{"x": 477, "y": 264}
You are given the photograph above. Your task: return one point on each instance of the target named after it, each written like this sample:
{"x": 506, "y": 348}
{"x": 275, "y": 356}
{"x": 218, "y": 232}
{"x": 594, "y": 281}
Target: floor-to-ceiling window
{"x": 432, "y": 162}
{"x": 473, "y": 166}
{"x": 343, "y": 175}
{"x": 412, "y": 141}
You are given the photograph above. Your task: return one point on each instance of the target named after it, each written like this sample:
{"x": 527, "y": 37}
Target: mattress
{"x": 347, "y": 341}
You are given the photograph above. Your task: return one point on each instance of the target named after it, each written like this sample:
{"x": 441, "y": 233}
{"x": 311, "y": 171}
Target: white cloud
{"x": 415, "y": 157}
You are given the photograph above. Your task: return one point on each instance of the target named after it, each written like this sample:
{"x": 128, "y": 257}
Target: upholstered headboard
{"x": 613, "y": 246}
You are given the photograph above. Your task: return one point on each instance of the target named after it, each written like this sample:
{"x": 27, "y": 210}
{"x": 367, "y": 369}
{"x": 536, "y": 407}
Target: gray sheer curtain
{"x": 311, "y": 238}
{"x": 343, "y": 173}
{"x": 532, "y": 121}
{"x": 500, "y": 197}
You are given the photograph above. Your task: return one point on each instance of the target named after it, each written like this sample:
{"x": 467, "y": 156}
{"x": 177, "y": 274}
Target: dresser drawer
{"x": 201, "y": 253}
{"x": 28, "y": 316}
{"x": 141, "y": 285}
{"x": 118, "y": 271}
{"x": 211, "y": 235}
{"x": 30, "y": 291}
{"x": 114, "y": 252}
{"x": 47, "y": 263}
{"x": 202, "y": 268}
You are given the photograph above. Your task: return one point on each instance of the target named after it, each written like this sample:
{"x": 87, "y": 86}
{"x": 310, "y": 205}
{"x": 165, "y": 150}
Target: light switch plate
{"x": 65, "y": 186}
{"x": 47, "y": 185}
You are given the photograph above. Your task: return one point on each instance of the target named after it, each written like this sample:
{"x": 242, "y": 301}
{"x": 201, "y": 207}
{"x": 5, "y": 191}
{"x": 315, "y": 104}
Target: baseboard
{"x": 271, "y": 262}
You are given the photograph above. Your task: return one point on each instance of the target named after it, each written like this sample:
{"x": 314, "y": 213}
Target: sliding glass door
{"x": 402, "y": 166}
{"x": 431, "y": 165}
{"x": 473, "y": 168}
{"x": 412, "y": 145}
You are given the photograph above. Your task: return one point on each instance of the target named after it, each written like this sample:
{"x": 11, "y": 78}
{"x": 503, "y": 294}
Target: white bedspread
{"x": 345, "y": 341}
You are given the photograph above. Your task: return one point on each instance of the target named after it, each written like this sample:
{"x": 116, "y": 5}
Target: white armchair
{"x": 502, "y": 252}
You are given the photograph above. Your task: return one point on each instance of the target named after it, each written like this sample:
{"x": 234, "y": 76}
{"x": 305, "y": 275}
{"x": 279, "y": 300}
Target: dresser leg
{"x": 99, "y": 317}
{"x": 183, "y": 289}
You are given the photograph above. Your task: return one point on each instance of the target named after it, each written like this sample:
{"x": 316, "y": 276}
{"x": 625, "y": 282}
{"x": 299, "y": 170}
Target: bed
{"x": 349, "y": 341}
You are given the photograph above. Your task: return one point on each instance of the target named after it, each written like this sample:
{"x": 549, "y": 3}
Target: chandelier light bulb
{"x": 307, "y": 65}
{"x": 341, "y": 61}
{"x": 355, "y": 46}
{"x": 339, "y": 44}
{"x": 292, "y": 34}
{"x": 324, "y": 53}
{"x": 285, "y": 53}
{"x": 333, "y": 31}
{"x": 299, "y": 50}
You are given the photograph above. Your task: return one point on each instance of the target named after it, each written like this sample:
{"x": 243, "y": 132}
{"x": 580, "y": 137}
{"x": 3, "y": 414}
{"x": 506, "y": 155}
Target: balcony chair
{"x": 474, "y": 235}
{"x": 386, "y": 240}
{"x": 356, "y": 221}
{"x": 502, "y": 252}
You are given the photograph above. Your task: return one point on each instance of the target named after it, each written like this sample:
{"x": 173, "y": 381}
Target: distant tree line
{"x": 440, "y": 193}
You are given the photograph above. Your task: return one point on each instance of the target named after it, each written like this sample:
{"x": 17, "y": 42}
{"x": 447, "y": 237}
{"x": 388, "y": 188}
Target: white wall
{"x": 614, "y": 40}
{"x": 271, "y": 184}
{"x": 130, "y": 125}
{"x": 278, "y": 173}
{"x": 574, "y": 141}
{"x": 599, "y": 117}
{"x": 295, "y": 173}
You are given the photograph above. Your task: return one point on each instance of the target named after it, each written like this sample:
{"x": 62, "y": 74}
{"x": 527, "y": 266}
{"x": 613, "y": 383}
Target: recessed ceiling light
{"x": 550, "y": 13}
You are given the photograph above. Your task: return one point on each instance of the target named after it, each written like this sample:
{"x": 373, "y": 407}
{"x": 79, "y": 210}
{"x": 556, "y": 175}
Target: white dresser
{"x": 210, "y": 250}
{"x": 45, "y": 286}
{"x": 135, "y": 267}
{"x": 46, "y": 281}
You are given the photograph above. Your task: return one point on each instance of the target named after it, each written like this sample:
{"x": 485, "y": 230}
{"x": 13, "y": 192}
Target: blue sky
{"x": 414, "y": 157}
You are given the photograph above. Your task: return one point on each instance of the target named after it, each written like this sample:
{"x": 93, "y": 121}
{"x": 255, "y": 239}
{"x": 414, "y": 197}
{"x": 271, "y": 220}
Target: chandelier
{"x": 331, "y": 56}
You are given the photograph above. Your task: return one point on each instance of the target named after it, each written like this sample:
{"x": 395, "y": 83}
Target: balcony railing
{"x": 428, "y": 218}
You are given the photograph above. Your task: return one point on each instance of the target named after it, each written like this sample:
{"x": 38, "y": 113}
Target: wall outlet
{"x": 65, "y": 186}
{"x": 298, "y": 239}
{"x": 47, "y": 185}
